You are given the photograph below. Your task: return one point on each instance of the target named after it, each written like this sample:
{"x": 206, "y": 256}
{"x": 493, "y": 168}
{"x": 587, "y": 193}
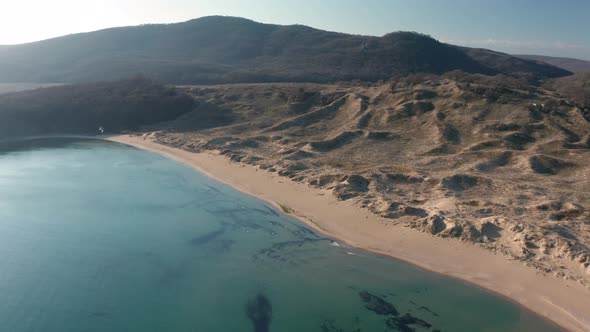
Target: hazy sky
{"x": 560, "y": 28}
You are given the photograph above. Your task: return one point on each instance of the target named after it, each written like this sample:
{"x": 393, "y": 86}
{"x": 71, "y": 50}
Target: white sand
{"x": 565, "y": 302}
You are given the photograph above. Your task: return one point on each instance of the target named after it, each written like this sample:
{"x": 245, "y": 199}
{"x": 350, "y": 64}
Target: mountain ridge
{"x": 219, "y": 49}
{"x": 570, "y": 64}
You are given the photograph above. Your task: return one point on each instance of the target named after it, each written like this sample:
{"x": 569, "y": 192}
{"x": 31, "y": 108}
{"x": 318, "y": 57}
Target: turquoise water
{"x": 96, "y": 236}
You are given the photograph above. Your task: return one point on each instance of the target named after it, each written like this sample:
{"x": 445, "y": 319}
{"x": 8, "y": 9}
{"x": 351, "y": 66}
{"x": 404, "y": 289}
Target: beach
{"x": 564, "y": 302}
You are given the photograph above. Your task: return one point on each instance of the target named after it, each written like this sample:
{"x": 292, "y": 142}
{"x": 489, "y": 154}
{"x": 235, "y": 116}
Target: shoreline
{"x": 562, "y": 302}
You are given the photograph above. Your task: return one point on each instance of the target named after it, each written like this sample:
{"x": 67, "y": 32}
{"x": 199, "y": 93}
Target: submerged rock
{"x": 259, "y": 311}
{"x": 206, "y": 238}
{"x": 407, "y": 323}
{"x": 377, "y": 304}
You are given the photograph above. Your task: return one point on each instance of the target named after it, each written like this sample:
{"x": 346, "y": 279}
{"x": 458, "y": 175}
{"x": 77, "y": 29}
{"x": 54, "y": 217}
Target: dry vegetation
{"x": 576, "y": 87}
{"x": 489, "y": 160}
{"x": 573, "y": 65}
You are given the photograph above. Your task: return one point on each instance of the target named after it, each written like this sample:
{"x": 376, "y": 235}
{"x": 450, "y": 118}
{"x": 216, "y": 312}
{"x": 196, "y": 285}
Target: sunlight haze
{"x": 530, "y": 27}
{"x": 294, "y": 165}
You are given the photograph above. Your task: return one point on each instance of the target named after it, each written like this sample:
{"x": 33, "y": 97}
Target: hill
{"x": 576, "y": 88}
{"x": 81, "y": 109}
{"x": 569, "y": 64}
{"x": 229, "y": 50}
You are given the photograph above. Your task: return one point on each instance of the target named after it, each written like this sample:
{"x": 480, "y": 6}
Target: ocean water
{"x": 98, "y": 236}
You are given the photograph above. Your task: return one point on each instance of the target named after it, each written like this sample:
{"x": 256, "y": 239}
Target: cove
{"x": 99, "y": 236}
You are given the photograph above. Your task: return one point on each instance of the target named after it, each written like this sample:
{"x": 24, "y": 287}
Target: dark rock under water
{"x": 404, "y": 323}
{"x": 377, "y": 304}
{"x": 259, "y": 311}
{"x": 205, "y": 238}
{"x": 407, "y": 323}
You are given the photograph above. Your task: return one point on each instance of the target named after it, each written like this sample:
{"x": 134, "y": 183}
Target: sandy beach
{"x": 565, "y": 302}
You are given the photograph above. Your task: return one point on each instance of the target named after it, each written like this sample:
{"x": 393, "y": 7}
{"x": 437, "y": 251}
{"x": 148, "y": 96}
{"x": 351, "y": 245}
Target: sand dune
{"x": 496, "y": 150}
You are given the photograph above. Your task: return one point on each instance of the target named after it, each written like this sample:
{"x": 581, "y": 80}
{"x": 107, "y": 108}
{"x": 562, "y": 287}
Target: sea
{"x": 100, "y": 236}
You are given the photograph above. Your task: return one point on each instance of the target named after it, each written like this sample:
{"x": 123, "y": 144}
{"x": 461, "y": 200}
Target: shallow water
{"x": 97, "y": 236}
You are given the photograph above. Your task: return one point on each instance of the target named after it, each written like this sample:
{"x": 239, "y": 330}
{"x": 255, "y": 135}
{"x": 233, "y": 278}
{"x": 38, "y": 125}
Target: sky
{"x": 558, "y": 28}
